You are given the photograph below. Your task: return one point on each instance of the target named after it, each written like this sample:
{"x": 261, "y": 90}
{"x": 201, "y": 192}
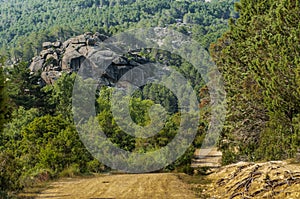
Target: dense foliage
{"x": 24, "y": 25}
{"x": 3, "y": 97}
{"x": 259, "y": 59}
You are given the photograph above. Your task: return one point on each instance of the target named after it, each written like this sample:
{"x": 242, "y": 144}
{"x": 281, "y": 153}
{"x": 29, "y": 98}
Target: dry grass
{"x": 255, "y": 180}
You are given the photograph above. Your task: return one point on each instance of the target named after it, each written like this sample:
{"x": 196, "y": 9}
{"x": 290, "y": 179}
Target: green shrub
{"x": 35, "y": 176}
{"x": 9, "y": 172}
{"x": 95, "y": 166}
{"x": 71, "y": 171}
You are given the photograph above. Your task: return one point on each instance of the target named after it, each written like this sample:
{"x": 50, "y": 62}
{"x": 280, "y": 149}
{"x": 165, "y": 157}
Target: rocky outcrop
{"x": 67, "y": 57}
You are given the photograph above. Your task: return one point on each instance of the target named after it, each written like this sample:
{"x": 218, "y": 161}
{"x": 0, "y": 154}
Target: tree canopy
{"x": 24, "y": 25}
{"x": 259, "y": 59}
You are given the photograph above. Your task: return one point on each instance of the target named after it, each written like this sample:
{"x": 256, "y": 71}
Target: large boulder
{"x": 36, "y": 64}
{"x": 78, "y": 40}
{"x": 53, "y": 58}
{"x": 46, "y": 52}
{"x": 71, "y": 60}
{"x": 57, "y": 44}
{"x": 47, "y": 45}
{"x": 66, "y": 44}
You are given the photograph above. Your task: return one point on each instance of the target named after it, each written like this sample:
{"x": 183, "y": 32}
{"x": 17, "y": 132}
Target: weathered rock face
{"x": 83, "y": 50}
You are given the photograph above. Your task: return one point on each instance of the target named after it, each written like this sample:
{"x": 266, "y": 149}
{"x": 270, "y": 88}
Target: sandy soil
{"x": 127, "y": 186}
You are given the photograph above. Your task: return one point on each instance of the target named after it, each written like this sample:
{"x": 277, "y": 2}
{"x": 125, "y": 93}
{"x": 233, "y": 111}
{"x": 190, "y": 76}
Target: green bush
{"x": 95, "y": 166}
{"x": 10, "y": 171}
{"x": 71, "y": 171}
{"x": 35, "y": 176}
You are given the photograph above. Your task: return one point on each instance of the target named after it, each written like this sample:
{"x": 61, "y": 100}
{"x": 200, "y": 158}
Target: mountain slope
{"x": 25, "y": 24}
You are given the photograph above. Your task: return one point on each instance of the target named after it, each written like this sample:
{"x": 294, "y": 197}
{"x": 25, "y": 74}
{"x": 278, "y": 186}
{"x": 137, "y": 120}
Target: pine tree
{"x": 3, "y": 97}
{"x": 259, "y": 59}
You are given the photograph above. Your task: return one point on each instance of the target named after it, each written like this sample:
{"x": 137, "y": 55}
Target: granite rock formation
{"x": 84, "y": 50}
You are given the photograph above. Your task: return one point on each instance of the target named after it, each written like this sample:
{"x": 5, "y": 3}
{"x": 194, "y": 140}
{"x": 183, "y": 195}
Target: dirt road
{"x": 127, "y": 186}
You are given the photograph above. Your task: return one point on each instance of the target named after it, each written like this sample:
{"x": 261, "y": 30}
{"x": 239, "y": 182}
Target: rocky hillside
{"x": 67, "y": 57}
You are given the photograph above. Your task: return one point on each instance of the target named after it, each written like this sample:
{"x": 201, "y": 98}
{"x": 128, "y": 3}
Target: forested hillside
{"x": 38, "y": 138}
{"x": 24, "y": 25}
{"x": 256, "y": 49}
